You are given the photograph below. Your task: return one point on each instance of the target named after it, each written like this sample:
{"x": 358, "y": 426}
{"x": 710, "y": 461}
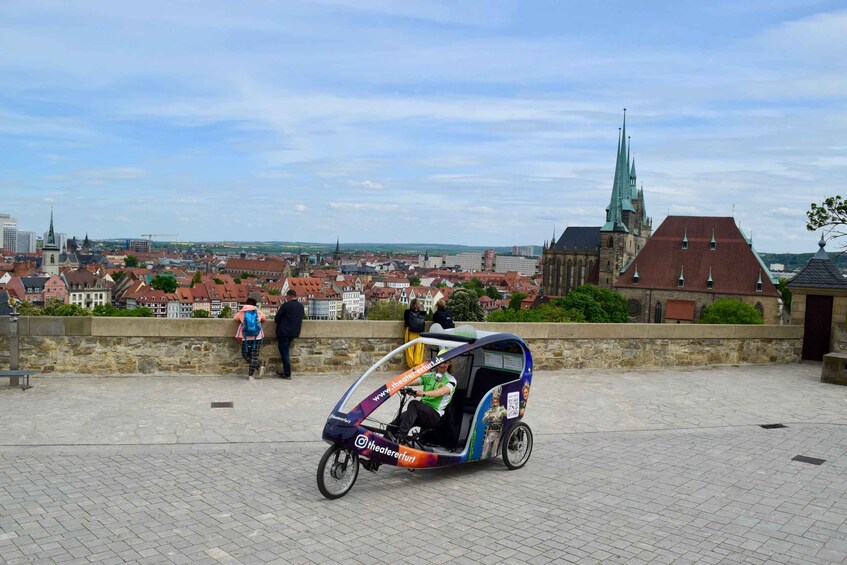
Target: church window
{"x": 760, "y": 309}
{"x": 681, "y": 282}
{"x": 709, "y": 284}
{"x": 759, "y": 286}
{"x": 634, "y": 307}
{"x": 611, "y": 242}
{"x": 657, "y": 314}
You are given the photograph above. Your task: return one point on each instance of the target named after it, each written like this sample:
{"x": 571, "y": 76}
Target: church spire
{"x": 51, "y": 235}
{"x": 621, "y": 200}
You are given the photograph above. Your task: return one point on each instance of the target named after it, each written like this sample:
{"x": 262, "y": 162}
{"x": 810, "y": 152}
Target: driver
{"x": 436, "y": 392}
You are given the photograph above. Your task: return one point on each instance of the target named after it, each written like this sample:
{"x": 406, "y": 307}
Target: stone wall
{"x": 131, "y": 346}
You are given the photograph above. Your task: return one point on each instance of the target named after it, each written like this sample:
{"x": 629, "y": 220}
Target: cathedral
{"x": 598, "y": 255}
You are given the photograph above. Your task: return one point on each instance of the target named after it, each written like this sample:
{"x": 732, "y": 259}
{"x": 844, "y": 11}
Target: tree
{"x": 131, "y": 261}
{"x": 164, "y": 282}
{"x": 475, "y": 285}
{"x": 515, "y": 300}
{"x": 218, "y": 281}
{"x": 275, "y": 291}
{"x": 730, "y": 311}
{"x": 831, "y": 213}
{"x": 112, "y": 311}
{"x": 786, "y": 294}
{"x": 414, "y": 281}
{"x": 545, "y": 313}
{"x": 196, "y": 279}
{"x": 597, "y": 305}
{"x": 386, "y": 310}
{"x": 200, "y": 314}
{"x": 492, "y": 292}
{"x": 226, "y": 312}
{"x": 51, "y": 308}
{"x": 464, "y": 305}
{"x": 117, "y": 275}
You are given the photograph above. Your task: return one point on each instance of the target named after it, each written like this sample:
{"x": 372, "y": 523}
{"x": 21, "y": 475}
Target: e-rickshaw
{"x": 493, "y": 373}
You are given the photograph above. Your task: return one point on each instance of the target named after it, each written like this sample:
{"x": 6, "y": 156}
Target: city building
{"x": 9, "y": 235}
{"x": 50, "y": 251}
{"x": 523, "y": 265}
{"x": 27, "y": 242}
{"x": 598, "y": 255}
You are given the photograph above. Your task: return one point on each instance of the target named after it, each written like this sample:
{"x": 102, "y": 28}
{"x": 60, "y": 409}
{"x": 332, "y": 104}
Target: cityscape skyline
{"x": 450, "y": 123}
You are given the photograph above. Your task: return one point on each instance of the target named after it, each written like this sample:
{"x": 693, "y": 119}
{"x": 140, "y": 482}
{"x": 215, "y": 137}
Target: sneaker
{"x": 250, "y": 378}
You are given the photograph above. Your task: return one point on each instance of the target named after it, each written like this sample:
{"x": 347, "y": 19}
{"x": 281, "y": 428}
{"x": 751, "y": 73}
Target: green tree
{"x": 200, "y": 314}
{"x": 544, "y": 313}
{"x": 475, "y": 285}
{"x": 196, "y": 279}
{"x": 386, "y": 310}
{"x": 492, "y": 292}
{"x": 236, "y": 280}
{"x": 112, "y": 311}
{"x": 218, "y": 281}
{"x": 515, "y": 300}
{"x": 117, "y": 275}
{"x": 464, "y": 305}
{"x": 597, "y": 305}
{"x": 245, "y": 275}
{"x": 165, "y": 282}
{"x": 226, "y": 312}
{"x": 131, "y": 261}
{"x": 730, "y": 311}
{"x": 786, "y": 294}
{"x": 51, "y": 308}
{"x": 275, "y": 291}
{"x": 414, "y": 281}
{"x": 829, "y": 214}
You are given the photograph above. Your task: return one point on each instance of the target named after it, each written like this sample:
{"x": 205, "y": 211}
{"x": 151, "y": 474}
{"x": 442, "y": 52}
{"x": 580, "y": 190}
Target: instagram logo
{"x": 361, "y": 441}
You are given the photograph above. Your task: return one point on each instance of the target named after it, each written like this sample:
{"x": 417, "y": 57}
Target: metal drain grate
{"x": 811, "y": 460}
{"x": 222, "y": 404}
{"x": 772, "y": 426}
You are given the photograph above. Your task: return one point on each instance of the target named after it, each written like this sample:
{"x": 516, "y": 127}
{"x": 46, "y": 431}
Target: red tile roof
{"x": 734, "y": 267}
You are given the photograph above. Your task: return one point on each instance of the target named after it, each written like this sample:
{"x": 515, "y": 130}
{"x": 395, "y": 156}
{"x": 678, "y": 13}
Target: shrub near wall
{"x": 131, "y": 346}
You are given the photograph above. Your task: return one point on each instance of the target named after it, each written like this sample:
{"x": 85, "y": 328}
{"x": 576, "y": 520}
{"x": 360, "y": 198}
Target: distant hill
{"x": 288, "y": 247}
{"x": 795, "y": 261}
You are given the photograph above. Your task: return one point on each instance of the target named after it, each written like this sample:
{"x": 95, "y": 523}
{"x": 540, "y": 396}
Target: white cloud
{"x": 366, "y": 184}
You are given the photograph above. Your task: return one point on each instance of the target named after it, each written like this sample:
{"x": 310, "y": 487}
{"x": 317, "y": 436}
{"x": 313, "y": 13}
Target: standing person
{"x": 442, "y": 315}
{"x": 289, "y": 320}
{"x": 251, "y": 335}
{"x": 414, "y": 321}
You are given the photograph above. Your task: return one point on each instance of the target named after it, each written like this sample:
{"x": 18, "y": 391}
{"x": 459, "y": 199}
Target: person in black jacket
{"x": 442, "y": 315}
{"x": 289, "y": 320}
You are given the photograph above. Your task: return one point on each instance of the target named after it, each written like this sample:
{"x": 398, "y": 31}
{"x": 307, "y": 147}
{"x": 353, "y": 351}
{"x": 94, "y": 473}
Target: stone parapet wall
{"x": 132, "y": 346}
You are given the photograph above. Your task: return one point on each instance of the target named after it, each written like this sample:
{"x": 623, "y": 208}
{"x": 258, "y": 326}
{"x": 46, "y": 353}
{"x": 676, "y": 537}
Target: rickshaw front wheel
{"x": 337, "y": 471}
{"x": 518, "y": 446}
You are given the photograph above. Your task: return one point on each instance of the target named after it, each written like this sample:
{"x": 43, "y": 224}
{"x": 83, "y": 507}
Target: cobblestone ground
{"x": 644, "y": 467}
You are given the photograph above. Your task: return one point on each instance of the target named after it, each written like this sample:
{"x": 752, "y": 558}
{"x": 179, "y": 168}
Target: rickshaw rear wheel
{"x": 518, "y": 446}
{"x": 337, "y": 471}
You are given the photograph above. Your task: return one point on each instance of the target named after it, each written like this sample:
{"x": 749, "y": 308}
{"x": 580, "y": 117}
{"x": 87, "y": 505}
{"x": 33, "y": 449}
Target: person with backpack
{"x": 251, "y": 335}
{"x": 414, "y": 320}
{"x": 289, "y": 320}
{"x": 442, "y": 315}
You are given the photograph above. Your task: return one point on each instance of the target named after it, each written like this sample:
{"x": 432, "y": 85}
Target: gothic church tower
{"x": 627, "y": 226}
{"x": 50, "y": 252}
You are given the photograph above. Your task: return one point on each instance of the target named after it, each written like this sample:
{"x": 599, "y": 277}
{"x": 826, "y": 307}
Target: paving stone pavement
{"x": 659, "y": 466}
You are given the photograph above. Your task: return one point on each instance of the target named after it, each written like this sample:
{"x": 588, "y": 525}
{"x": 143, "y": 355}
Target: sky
{"x": 472, "y": 123}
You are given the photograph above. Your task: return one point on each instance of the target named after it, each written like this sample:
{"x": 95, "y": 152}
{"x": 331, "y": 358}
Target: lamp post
{"x": 13, "y": 340}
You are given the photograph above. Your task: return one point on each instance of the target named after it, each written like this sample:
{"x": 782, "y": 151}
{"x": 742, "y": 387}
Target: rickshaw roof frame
{"x": 426, "y": 339}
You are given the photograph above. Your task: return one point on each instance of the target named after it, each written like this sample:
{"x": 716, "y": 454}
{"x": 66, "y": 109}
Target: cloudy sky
{"x": 477, "y": 123}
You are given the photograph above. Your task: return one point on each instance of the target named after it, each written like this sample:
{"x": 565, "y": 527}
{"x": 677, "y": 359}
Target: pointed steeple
{"x": 51, "y": 235}
{"x": 621, "y": 200}
{"x": 821, "y": 254}
{"x": 338, "y": 245}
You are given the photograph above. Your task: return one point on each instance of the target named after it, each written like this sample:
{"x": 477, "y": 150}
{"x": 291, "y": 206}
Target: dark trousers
{"x": 417, "y": 414}
{"x": 283, "y": 343}
{"x": 250, "y": 351}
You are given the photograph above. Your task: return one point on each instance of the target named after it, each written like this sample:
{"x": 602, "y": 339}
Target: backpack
{"x": 417, "y": 321}
{"x": 250, "y": 327}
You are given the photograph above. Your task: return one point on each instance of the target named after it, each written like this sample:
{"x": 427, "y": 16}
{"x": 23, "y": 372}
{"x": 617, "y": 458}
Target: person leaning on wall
{"x": 413, "y": 322}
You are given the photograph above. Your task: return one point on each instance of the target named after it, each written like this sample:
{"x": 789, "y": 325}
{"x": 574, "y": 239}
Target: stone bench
{"x": 834, "y": 369}
{"x": 16, "y": 374}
